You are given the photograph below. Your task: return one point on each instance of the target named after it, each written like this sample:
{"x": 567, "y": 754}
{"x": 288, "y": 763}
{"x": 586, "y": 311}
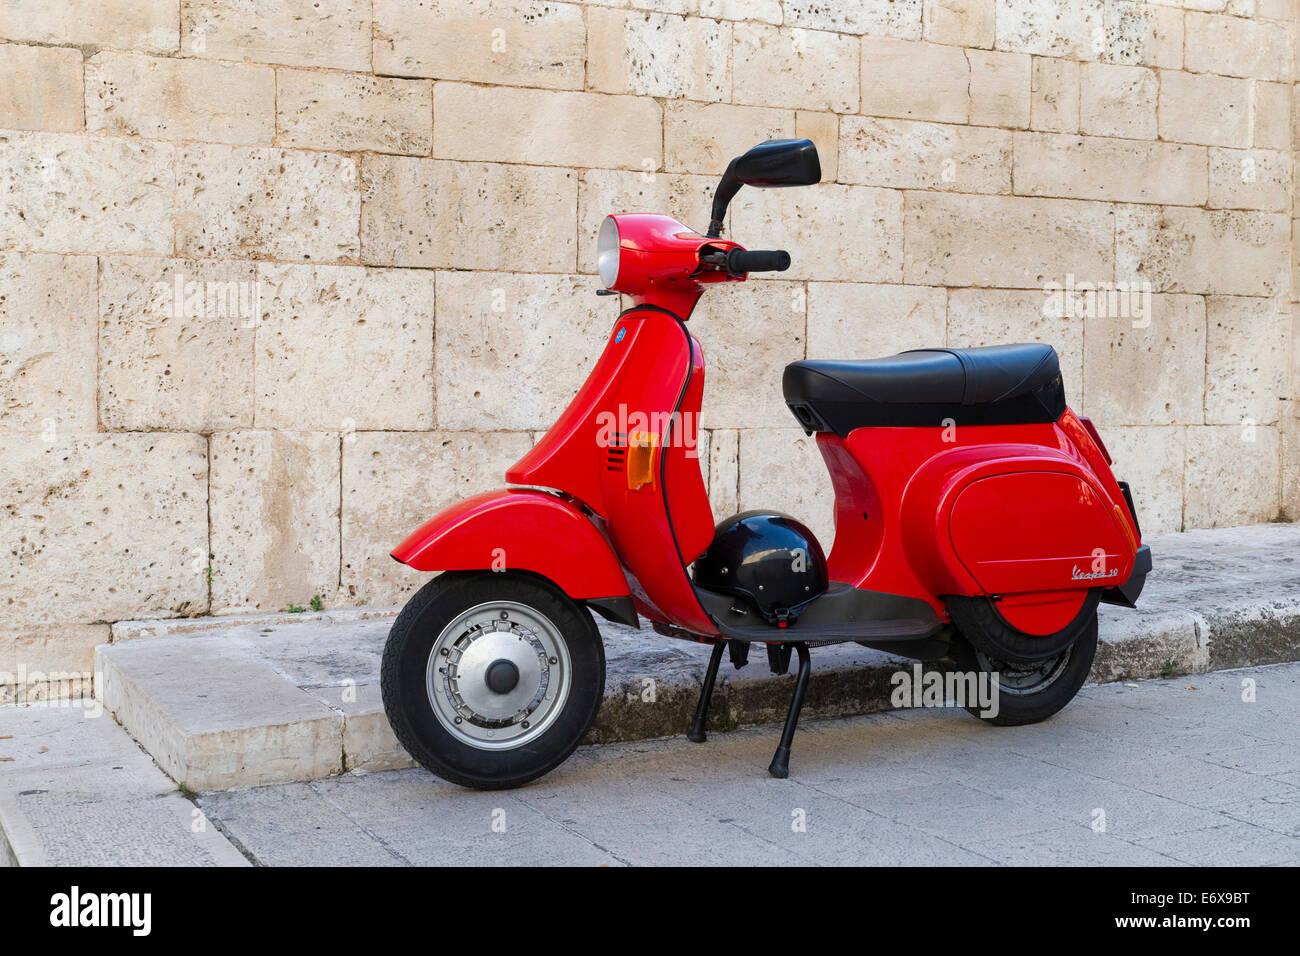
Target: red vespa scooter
{"x": 976, "y": 520}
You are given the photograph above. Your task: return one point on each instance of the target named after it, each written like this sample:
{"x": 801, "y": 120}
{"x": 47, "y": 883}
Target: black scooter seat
{"x": 995, "y": 385}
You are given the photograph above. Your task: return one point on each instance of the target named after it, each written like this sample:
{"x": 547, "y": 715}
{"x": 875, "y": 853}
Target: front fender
{"x": 519, "y": 530}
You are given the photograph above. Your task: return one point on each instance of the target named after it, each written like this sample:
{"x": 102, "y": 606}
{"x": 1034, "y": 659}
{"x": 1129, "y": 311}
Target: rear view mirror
{"x": 778, "y": 162}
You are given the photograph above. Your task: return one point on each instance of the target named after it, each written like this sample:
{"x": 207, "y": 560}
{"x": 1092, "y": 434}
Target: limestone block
{"x": 149, "y": 25}
{"x": 1054, "y": 95}
{"x": 1141, "y": 33}
{"x": 794, "y": 68}
{"x": 921, "y": 81}
{"x": 857, "y": 320}
{"x": 239, "y": 202}
{"x": 824, "y": 130}
{"x": 1122, "y": 170}
{"x": 653, "y": 54}
{"x": 1066, "y": 28}
{"x": 1150, "y": 458}
{"x": 176, "y": 343}
{"x": 102, "y": 527}
{"x": 345, "y": 348}
{"x": 978, "y": 317}
{"x": 1239, "y": 46}
{"x": 967, "y": 23}
{"x": 546, "y": 128}
{"x": 1039, "y": 240}
{"x": 393, "y": 482}
{"x": 507, "y": 42}
{"x": 180, "y": 98}
{"x": 605, "y": 192}
{"x": 320, "y": 33}
{"x": 275, "y": 518}
{"x": 1122, "y": 351}
{"x": 438, "y": 214}
{"x": 1250, "y": 179}
{"x": 513, "y": 350}
{"x": 999, "y": 88}
{"x": 42, "y": 88}
{"x": 47, "y": 343}
{"x": 1231, "y": 475}
{"x": 704, "y": 137}
{"x": 1206, "y": 109}
{"x": 67, "y": 193}
{"x": 892, "y": 18}
{"x": 782, "y": 470}
{"x": 724, "y": 471}
{"x": 353, "y": 111}
{"x": 1246, "y": 370}
{"x": 1118, "y": 100}
{"x": 908, "y": 155}
{"x": 1272, "y": 115}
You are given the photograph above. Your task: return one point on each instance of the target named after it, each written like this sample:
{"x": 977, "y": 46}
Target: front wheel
{"x": 1030, "y": 691}
{"x": 491, "y": 680}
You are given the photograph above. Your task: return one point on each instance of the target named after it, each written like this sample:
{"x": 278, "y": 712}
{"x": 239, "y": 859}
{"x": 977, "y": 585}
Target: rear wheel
{"x": 1028, "y": 690}
{"x": 490, "y": 680}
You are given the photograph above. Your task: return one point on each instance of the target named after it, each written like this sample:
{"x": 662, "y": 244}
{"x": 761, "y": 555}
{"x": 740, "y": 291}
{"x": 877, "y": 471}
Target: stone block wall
{"x": 280, "y": 278}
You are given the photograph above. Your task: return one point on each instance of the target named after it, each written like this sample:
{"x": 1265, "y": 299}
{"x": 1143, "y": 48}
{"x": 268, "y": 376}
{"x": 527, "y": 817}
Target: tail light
{"x": 1092, "y": 433}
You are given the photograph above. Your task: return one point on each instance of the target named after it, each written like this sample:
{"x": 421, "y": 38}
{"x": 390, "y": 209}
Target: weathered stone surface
{"x": 326, "y": 33}
{"x": 546, "y": 128}
{"x": 510, "y": 42}
{"x": 275, "y": 518}
{"x": 978, "y": 317}
{"x": 1150, "y": 458}
{"x": 908, "y": 155}
{"x": 1118, "y": 101}
{"x": 102, "y": 527}
{"x": 180, "y": 98}
{"x": 782, "y": 470}
{"x": 966, "y": 23}
{"x": 1040, "y": 240}
{"x": 704, "y": 137}
{"x": 1195, "y": 250}
{"x": 654, "y": 54}
{"x": 1229, "y": 475}
{"x": 824, "y": 130}
{"x": 724, "y": 471}
{"x": 513, "y": 350}
{"x": 999, "y": 88}
{"x": 1206, "y": 109}
{"x": 606, "y": 192}
{"x": 749, "y": 332}
{"x": 42, "y": 89}
{"x": 856, "y": 320}
{"x": 353, "y": 111}
{"x": 921, "y": 81}
{"x": 832, "y": 231}
{"x": 148, "y": 25}
{"x": 49, "y": 662}
{"x": 802, "y": 69}
{"x": 765, "y": 11}
{"x": 437, "y": 214}
{"x": 1122, "y": 170}
{"x": 1068, "y": 28}
{"x": 1272, "y": 111}
{"x": 321, "y": 324}
{"x": 47, "y": 343}
{"x": 1246, "y": 369}
{"x": 393, "y": 483}
{"x": 894, "y": 18}
{"x": 1120, "y": 350}
{"x": 1143, "y": 33}
{"x": 1238, "y": 46}
{"x": 66, "y": 193}
{"x": 176, "y": 343}
{"x": 1250, "y": 179}
{"x": 256, "y": 203}
{"x": 1054, "y": 95}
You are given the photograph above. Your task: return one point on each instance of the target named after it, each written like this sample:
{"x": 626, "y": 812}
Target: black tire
{"x": 1047, "y": 685}
{"x": 406, "y": 696}
{"x": 979, "y": 620}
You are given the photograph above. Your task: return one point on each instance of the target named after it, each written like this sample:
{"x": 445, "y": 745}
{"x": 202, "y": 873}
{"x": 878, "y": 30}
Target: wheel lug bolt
{"x": 555, "y": 660}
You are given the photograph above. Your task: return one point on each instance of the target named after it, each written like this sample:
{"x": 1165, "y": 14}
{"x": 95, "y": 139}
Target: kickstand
{"x": 780, "y": 765}
{"x": 695, "y": 732}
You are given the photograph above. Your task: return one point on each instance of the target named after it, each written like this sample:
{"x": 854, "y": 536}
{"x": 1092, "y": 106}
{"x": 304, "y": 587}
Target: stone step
{"x": 228, "y": 702}
{"x": 76, "y": 790}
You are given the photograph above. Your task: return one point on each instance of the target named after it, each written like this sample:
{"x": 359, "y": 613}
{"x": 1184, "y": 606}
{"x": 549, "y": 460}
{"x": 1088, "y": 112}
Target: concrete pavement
{"x": 1198, "y": 769}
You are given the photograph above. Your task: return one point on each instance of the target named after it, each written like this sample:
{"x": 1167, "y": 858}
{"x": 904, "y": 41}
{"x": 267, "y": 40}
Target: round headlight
{"x": 607, "y": 252}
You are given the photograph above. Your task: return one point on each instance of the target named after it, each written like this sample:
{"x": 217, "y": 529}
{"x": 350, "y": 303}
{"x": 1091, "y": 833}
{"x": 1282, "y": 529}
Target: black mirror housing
{"x": 775, "y": 163}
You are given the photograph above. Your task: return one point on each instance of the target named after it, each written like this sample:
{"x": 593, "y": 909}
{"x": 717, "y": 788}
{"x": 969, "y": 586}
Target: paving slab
{"x": 920, "y": 787}
{"x": 256, "y": 699}
{"x": 75, "y": 789}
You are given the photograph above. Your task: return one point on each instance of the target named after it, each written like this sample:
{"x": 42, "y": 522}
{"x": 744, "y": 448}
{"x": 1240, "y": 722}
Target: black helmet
{"x": 767, "y": 557}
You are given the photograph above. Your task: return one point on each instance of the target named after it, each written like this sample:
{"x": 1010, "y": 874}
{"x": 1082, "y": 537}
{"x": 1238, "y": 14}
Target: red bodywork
{"x": 1028, "y": 513}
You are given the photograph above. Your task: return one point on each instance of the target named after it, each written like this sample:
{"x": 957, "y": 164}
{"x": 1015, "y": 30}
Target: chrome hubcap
{"x": 498, "y": 675}
{"x": 1020, "y": 680}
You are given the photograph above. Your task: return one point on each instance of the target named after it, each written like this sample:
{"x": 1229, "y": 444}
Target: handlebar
{"x": 757, "y": 260}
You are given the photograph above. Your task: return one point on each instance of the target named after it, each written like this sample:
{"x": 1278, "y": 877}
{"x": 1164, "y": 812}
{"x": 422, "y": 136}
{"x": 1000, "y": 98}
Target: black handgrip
{"x": 757, "y": 260}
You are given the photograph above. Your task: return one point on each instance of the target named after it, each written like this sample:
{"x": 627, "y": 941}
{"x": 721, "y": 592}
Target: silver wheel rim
{"x": 464, "y": 683}
{"x": 1019, "y": 680}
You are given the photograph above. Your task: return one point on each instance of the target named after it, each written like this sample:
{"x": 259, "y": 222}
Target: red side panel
{"x": 518, "y": 530}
